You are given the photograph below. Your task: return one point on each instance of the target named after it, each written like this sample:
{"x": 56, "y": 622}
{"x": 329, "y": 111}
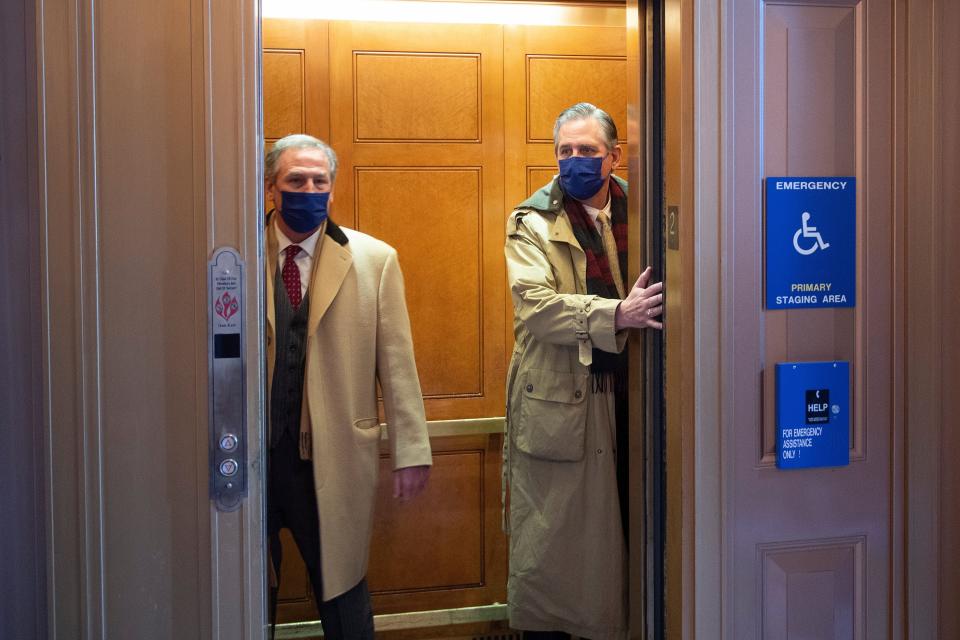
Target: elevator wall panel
{"x": 554, "y": 82}
{"x": 389, "y": 94}
{"x": 443, "y": 271}
{"x": 812, "y": 95}
{"x": 416, "y": 118}
{"x": 283, "y": 93}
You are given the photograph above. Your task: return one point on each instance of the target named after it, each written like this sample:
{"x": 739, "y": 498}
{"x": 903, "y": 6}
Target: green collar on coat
{"x": 549, "y": 198}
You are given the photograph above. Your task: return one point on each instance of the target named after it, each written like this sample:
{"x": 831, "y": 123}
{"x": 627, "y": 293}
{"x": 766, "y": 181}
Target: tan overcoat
{"x": 358, "y": 335}
{"x": 567, "y": 554}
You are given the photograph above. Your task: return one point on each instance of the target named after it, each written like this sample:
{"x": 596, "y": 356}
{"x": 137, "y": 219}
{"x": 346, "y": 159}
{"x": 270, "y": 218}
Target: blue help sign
{"x": 810, "y": 242}
{"x": 813, "y": 414}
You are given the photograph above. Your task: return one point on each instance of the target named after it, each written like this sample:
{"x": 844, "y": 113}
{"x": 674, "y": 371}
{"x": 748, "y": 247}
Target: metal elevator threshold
{"x": 467, "y": 623}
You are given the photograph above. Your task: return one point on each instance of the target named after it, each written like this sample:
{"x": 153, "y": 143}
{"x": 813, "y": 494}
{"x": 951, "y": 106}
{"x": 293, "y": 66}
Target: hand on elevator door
{"x": 642, "y": 305}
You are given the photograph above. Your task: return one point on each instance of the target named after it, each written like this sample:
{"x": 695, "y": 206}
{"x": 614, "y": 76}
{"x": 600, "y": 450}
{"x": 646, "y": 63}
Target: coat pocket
{"x": 366, "y": 431}
{"x": 553, "y": 415}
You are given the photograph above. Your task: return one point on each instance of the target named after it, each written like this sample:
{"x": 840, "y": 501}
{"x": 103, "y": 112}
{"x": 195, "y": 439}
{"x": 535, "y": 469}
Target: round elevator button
{"x": 228, "y": 442}
{"x": 229, "y": 467}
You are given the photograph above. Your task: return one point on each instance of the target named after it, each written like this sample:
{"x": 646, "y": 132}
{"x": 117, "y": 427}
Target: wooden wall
{"x": 440, "y": 130}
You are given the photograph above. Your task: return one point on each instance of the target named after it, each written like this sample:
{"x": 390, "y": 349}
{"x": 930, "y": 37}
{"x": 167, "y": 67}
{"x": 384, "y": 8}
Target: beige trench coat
{"x": 358, "y": 334}
{"x": 567, "y": 554}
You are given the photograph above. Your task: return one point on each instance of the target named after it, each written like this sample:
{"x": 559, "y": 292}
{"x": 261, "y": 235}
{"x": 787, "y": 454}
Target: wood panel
{"x": 446, "y": 550}
{"x": 283, "y": 93}
{"x": 389, "y": 91}
{"x": 443, "y": 550}
{"x": 394, "y": 87}
{"x": 442, "y": 269}
{"x": 555, "y": 82}
{"x": 283, "y": 42}
{"x": 439, "y": 537}
{"x": 813, "y": 590}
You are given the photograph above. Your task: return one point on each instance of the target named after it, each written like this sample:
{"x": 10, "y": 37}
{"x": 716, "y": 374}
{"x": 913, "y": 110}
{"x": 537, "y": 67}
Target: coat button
{"x": 529, "y": 388}
{"x": 599, "y": 451}
{"x": 578, "y": 394}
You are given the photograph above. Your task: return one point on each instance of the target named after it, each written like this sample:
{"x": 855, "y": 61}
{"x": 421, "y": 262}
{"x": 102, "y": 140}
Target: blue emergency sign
{"x": 813, "y": 414}
{"x": 810, "y": 242}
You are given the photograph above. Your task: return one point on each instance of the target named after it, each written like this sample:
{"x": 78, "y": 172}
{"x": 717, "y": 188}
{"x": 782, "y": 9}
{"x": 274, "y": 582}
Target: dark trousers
{"x": 292, "y": 504}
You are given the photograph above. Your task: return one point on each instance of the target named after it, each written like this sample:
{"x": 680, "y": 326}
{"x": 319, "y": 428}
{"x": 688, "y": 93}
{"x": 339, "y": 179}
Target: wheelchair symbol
{"x": 807, "y": 231}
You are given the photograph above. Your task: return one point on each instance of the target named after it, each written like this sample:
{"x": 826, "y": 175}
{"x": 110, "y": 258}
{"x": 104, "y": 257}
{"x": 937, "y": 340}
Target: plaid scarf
{"x": 607, "y": 368}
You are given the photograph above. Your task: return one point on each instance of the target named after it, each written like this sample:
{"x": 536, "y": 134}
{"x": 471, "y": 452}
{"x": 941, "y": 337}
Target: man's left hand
{"x": 642, "y": 305}
{"x": 409, "y": 482}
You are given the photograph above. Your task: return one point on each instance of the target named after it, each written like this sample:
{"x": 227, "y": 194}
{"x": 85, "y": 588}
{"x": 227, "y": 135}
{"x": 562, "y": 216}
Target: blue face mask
{"x": 582, "y": 177}
{"x": 303, "y": 211}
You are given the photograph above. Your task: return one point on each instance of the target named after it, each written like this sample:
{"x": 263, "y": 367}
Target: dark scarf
{"x": 607, "y": 368}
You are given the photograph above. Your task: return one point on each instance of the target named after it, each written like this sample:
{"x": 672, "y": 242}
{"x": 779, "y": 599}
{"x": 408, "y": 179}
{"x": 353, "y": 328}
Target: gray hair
{"x": 297, "y": 141}
{"x": 582, "y": 111}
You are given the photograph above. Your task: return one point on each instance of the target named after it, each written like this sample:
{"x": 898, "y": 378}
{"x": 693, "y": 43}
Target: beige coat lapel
{"x": 329, "y": 270}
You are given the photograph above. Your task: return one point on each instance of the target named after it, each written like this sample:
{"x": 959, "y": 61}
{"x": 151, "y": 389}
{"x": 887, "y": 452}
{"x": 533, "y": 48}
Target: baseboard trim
{"x": 400, "y": 621}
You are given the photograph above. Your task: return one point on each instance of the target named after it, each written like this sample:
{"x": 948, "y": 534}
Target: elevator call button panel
{"x": 227, "y": 377}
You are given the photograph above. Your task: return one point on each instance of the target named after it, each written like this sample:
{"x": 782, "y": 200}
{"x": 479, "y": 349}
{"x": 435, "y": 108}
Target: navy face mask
{"x": 581, "y": 177}
{"x": 303, "y": 211}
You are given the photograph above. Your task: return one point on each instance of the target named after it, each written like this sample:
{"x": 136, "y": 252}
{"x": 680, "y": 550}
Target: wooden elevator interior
{"x": 440, "y": 130}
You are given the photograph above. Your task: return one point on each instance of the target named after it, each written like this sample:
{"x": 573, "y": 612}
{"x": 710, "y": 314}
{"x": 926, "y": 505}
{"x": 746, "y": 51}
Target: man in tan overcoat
{"x": 337, "y": 325}
{"x": 565, "y": 462}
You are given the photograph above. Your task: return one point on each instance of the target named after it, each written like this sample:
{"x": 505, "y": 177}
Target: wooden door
{"x": 811, "y": 552}
{"x": 149, "y": 138}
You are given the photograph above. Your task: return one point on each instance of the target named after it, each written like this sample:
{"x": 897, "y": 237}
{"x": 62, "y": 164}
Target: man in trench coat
{"x": 337, "y": 325}
{"x": 565, "y": 462}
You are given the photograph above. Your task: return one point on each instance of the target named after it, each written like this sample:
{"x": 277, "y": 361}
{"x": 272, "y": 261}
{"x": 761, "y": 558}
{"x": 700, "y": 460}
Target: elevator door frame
{"x": 647, "y": 424}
